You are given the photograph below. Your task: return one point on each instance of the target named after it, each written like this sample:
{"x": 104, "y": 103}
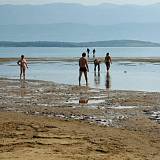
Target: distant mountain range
{"x": 104, "y": 14}
{"x": 114, "y": 43}
{"x": 79, "y": 23}
{"x": 68, "y": 32}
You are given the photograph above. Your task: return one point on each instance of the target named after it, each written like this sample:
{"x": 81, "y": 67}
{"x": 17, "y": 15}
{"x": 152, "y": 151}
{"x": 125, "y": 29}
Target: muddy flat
{"x": 45, "y": 120}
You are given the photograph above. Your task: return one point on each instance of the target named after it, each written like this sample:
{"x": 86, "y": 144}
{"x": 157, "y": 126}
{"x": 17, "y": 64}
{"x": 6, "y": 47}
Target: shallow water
{"x": 76, "y": 52}
{"x": 122, "y": 76}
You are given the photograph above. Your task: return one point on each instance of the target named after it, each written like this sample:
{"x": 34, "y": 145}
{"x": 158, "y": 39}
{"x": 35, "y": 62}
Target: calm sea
{"x": 123, "y": 75}
{"x": 76, "y": 52}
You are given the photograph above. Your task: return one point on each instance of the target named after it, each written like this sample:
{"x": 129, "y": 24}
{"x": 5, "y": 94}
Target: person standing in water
{"x": 97, "y": 63}
{"x": 108, "y": 61}
{"x": 22, "y": 62}
{"x": 94, "y": 53}
{"x": 88, "y": 50}
{"x": 83, "y": 68}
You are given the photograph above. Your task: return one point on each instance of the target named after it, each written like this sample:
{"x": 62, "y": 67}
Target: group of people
{"x": 88, "y": 52}
{"x": 83, "y": 66}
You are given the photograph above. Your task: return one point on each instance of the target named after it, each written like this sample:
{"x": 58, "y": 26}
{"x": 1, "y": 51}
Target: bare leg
{"x": 98, "y": 74}
{"x": 24, "y": 76}
{"x": 80, "y": 75}
{"x": 95, "y": 67}
{"x": 20, "y": 73}
{"x": 98, "y": 67}
{"x": 108, "y": 67}
{"x": 23, "y": 73}
{"x": 85, "y": 75}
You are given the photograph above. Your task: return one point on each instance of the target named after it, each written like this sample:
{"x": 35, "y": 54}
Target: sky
{"x": 85, "y": 2}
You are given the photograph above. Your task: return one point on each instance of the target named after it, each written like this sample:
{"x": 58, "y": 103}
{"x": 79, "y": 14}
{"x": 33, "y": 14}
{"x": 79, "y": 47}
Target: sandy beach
{"x": 75, "y": 59}
{"x": 79, "y": 80}
{"x": 44, "y": 120}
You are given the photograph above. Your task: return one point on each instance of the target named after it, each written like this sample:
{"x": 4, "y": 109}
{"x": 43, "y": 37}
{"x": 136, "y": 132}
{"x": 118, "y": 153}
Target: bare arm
{"x": 110, "y": 60}
{"x": 25, "y": 63}
{"x": 105, "y": 60}
{"x": 87, "y": 65}
{"x": 18, "y": 62}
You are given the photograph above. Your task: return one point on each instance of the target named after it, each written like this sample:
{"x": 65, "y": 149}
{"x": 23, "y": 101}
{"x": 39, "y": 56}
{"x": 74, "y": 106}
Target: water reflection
{"x": 121, "y": 75}
{"x": 97, "y": 79}
{"x": 22, "y": 88}
{"x": 83, "y": 100}
{"x": 84, "y": 97}
{"x": 108, "y": 82}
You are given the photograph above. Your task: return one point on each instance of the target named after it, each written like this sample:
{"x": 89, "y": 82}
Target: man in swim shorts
{"x": 23, "y": 65}
{"x": 108, "y": 61}
{"x": 83, "y": 68}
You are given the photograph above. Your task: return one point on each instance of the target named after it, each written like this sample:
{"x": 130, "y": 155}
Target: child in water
{"x": 23, "y": 65}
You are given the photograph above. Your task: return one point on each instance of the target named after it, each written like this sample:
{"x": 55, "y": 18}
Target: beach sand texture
{"x": 44, "y": 120}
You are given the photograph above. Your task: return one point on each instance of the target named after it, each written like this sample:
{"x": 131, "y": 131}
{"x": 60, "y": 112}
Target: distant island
{"x": 112, "y": 43}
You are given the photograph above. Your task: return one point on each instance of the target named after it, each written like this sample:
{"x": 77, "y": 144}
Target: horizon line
{"x": 81, "y": 41}
{"x": 74, "y": 3}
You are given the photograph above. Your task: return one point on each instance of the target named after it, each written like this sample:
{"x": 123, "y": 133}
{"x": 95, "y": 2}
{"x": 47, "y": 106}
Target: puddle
{"x": 94, "y": 91}
{"x": 99, "y": 97}
{"x": 96, "y": 101}
{"x": 45, "y": 105}
{"x": 128, "y": 63}
{"x": 123, "y": 107}
{"x": 72, "y": 102}
{"x": 108, "y": 120}
{"x": 153, "y": 115}
{"x": 85, "y": 101}
{"x": 91, "y": 119}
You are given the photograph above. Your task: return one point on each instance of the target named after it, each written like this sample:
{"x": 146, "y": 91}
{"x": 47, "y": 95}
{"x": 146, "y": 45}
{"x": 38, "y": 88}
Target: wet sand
{"x": 75, "y": 59}
{"x": 44, "y": 120}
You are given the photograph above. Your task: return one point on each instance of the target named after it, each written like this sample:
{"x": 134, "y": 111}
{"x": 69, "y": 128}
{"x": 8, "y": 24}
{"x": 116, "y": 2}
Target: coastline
{"x": 123, "y": 72}
{"x": 45, "y": 119}
{"x": 75, "y": 59}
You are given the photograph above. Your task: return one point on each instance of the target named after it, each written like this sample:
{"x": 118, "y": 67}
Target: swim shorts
{"x": 83, "y": 69}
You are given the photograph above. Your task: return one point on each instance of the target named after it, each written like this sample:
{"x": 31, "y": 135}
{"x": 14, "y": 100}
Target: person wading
{"x": 83, "y": 68}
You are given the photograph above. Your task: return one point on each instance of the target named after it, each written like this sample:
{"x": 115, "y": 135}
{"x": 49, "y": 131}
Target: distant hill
{"x": 76, "y": 23}
{"x": 113, "y": 43}
{"x": 104, "y": 14}
{"x": 71, "y": 32}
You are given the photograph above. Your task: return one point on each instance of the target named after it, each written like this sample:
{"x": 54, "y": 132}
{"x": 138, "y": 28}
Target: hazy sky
{"x": 86, "y": 2}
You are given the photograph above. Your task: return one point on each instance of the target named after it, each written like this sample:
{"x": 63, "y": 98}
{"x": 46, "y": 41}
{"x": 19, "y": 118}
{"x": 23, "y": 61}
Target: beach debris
{"x": 110, "y": 119}
{"x": 83, "y": 100}
{"x": 153, "y": 115}
{"x": 61, "y": 101}
{"x": 122, "y": 107}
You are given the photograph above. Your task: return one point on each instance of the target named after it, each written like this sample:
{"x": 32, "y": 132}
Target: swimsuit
{"x": 83, "y": 69}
